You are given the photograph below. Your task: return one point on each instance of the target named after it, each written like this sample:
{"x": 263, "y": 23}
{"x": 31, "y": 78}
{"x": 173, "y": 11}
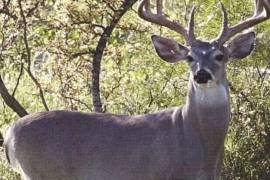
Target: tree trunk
{"x": 11, "y": 101}
{"x": 99, "y": 53}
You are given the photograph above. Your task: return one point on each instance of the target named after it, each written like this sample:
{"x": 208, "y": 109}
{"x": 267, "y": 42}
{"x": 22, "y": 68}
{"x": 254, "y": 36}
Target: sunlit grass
{"x": 6, "y": 173}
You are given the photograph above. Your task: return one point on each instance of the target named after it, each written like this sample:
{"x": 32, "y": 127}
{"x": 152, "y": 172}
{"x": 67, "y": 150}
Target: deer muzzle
{"x": 202, "y": 76}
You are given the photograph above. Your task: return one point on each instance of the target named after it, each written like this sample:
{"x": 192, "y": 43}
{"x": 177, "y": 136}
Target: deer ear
{"x": 241, "y": 46}
{"x": 169, "y": 50}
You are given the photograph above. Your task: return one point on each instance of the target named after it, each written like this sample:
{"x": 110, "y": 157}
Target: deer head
{"x": 207, "y": 60}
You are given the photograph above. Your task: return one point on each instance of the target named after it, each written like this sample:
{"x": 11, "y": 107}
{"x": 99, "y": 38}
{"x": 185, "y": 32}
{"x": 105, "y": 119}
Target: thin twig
{"x": 18, "y": 79}
{"x": 76, "y": 100}
{"x": 7, "y": 12}
{"x": 28, "y": 58}
{"x": 242, "y": 94}
{"x": 31, "y": 11}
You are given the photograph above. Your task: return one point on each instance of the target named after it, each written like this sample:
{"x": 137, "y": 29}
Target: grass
{"x": 6, "y": 173}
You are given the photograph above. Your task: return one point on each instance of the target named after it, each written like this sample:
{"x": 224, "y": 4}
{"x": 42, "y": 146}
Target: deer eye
{"x": 219, "y": 57}
{"x": 190, "y": 59}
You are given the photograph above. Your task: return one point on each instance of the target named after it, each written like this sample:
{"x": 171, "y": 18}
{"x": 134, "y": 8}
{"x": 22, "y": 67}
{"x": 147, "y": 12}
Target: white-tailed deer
{"x": 179, "y": 143}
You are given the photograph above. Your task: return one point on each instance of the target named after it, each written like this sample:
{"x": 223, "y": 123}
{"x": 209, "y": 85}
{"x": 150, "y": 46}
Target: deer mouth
{"x": 202, "y": 77}
{"x": 202, "y": 80}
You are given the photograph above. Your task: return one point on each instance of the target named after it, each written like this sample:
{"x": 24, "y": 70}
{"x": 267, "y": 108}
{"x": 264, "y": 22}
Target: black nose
{"x": 202, "y": 76}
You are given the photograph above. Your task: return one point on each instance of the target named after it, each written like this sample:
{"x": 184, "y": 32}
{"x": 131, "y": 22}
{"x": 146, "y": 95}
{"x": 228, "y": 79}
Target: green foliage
{"x": 5, "y": 172}
{"x": 133, "y": 79}
{"x": 248, "y": 142}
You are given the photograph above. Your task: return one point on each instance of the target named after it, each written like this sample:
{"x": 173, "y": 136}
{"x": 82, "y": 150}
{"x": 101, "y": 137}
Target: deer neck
{"x": 206, "y": 116}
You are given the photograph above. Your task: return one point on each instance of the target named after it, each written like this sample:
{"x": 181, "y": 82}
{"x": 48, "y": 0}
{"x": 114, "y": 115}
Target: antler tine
{"x": 259, "y": 16}
{"x": 191, "y": 34}
{"x": 159, "y": 7}
{"x": 225, "y": 26}
{"x": 262, "y": 5}
{"x": 267, "y": 7}
{"x": 258, "y": 7}
{"x": 145, "y": 13}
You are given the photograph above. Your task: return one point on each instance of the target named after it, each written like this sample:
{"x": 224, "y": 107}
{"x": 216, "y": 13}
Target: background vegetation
{"x": 50, "y": 52}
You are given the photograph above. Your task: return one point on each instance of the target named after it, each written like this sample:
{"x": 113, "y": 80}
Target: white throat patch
{"x": 211, "y": 96}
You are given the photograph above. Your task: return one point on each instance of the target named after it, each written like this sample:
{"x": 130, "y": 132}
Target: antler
{"x": 261, "y": 13}
{"x": 158, "y": 18}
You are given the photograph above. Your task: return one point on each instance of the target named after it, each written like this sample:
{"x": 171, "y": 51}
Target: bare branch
{"x": 99, "y": 53}
{"x": 11, "y": 101}
{"x": 109, "y": 4}
{"x": 28, "y": 57}
{"x": 76, "y": 100}
{"x": 75, "y": 55}
{"x": 18, "y": 79}
{"x": 8, "y": 13}
{"x": 31, "y": 11}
